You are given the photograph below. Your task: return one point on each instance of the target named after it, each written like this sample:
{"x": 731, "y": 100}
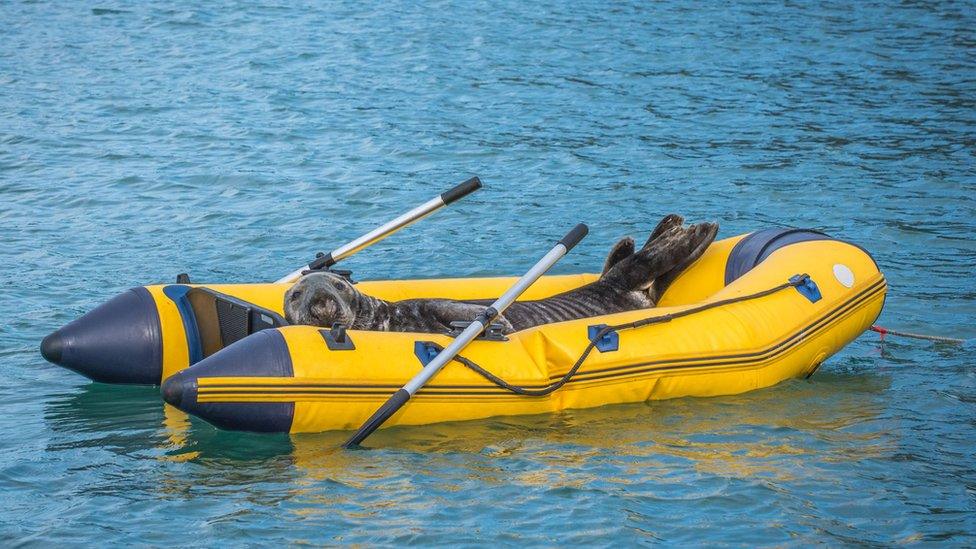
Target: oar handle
{"x": 461, "y": 190}
{"x": 386, "y": 229}
{"x": 574, "y": 236}
{"x": 402, "y": 396}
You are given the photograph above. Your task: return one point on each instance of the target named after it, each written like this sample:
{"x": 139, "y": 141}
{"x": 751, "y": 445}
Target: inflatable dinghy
{"x": 753, "y": 311}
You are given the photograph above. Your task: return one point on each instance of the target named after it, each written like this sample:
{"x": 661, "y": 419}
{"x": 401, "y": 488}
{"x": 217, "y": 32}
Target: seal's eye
{"x": 338, "y": 286}
{"x": 295, "y": 296}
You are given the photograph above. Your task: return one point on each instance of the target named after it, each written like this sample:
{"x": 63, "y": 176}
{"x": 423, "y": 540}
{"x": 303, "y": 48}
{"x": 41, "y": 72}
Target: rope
{"x": 548, "y": 389}
{"x": 886, "y": 332}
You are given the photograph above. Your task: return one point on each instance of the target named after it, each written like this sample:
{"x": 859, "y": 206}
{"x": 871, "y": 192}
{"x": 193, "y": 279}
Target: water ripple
{"x": 138, "y": 141}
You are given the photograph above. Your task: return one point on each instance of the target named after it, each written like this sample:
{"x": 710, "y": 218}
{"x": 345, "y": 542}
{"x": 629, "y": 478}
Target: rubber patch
{"x": 336, "y": 339}
{"x": 844, "y": 275}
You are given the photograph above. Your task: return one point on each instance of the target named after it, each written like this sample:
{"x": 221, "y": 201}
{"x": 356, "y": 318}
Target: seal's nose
{"x": 117, "y": 342}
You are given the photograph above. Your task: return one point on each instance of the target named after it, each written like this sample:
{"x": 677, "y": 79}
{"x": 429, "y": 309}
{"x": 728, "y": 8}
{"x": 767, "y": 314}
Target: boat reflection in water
{"x": 681, "y": 449}
{"x": 661, "y": 448}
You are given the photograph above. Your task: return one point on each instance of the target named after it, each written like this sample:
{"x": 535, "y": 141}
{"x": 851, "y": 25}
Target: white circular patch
{"x": 844, "y": 274}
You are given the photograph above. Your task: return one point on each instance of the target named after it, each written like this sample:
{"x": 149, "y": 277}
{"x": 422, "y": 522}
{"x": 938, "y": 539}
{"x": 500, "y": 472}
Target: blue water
{"x": 232, "y": 141}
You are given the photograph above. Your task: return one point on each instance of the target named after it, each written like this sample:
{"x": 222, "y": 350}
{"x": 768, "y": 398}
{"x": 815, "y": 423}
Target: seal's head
{"x": 321, "y": 299}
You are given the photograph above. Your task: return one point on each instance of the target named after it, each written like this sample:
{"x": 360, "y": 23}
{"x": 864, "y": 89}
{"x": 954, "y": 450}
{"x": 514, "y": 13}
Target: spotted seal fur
{"x": 630, "y": 280}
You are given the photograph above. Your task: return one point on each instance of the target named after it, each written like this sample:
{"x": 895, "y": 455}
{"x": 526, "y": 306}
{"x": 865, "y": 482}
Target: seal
{"x": 631, "y": 279}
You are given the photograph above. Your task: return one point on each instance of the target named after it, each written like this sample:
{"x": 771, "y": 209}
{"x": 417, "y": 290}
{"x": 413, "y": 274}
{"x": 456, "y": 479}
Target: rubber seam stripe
{"x": 483, "y": 390}
{"x": 776, "y": 349}
{"x": 360, "y": 397}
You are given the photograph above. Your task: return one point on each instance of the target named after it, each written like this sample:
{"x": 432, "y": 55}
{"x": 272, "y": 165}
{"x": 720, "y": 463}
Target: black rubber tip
{"x": 574, "y": 236}
{"x": 389, "y": 408}
{"x": 172, "y": 390}
{"x": 52, "y": 347}
{"x": 462, "y": 190}
{"x": 261, "y": 355}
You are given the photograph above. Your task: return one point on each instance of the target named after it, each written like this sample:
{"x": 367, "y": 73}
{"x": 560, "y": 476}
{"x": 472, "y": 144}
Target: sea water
{"x": 232, "y": 141}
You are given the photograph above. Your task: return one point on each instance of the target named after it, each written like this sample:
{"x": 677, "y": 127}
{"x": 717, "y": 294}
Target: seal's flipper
{"x": 621, "y": 250}
{"x": 704, "y": 236}
{"x": 638, "y": 271}
{"x": 673, "y": 249}
{"x": 670, "y": 220}
{"x": 625, "y": 247}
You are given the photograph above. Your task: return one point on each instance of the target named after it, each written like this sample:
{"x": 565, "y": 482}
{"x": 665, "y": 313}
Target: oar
{"x": 386, "y": 229}
{"x": 401, "y": 397}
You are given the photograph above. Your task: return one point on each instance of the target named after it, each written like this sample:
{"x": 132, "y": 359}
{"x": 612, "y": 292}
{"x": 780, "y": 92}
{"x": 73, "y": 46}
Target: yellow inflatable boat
{"x": 755, "y": 310}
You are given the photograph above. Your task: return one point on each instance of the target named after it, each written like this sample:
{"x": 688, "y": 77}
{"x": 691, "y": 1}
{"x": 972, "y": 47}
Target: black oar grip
{"x": 574, "y": 236}
{"x": 462, "y": 190}
{"x": 391, "y": 406}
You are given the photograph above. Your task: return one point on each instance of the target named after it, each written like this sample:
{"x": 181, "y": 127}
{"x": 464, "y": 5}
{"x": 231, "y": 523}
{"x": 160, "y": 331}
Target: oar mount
{"x": 321, "y": 261}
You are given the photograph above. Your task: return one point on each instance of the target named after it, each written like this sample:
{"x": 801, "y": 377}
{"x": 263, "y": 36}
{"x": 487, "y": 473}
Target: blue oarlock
{"x": 610, "y": 341}
{"x": 425, "y": 351}
{"x": 807, "y": 287}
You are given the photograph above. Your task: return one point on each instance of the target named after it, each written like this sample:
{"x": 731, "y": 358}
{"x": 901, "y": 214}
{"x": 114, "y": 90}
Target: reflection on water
{"x": 695, "y": 451}
{"x": 667, "y": 451}
{"x": 728, "y": 434}
{"x": 97, "y": 407}
{"x": 656, "y": 462}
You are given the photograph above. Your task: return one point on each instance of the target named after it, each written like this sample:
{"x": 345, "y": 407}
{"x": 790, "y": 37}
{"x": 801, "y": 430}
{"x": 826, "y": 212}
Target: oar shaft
{"x": 475, "y": 328}
{"x": 460, "y": 342}
{"x": 387, "y": 229}
{"x": 399, "y": 398}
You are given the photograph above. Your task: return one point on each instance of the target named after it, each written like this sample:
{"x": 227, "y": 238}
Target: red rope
{"x": 885, "y": 331}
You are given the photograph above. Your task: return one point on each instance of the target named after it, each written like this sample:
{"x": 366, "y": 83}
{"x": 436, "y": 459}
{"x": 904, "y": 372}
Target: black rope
{"x": 556, "y": 385}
